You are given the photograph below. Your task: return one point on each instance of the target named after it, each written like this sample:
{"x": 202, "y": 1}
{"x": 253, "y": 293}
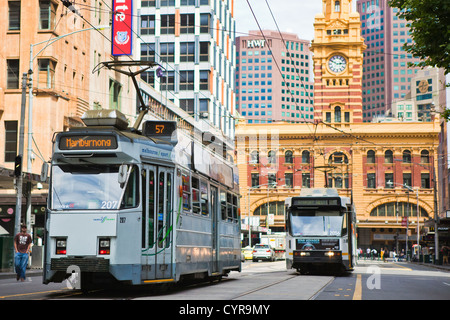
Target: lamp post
{"x": 248, "y": 207}
{"x": 418, "y": 208}
{"x": 418, "y": 212}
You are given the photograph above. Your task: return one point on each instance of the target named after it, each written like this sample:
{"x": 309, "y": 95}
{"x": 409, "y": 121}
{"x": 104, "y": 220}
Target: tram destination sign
{"x": 315, "y": 202}
{"x": 87, "y": 142}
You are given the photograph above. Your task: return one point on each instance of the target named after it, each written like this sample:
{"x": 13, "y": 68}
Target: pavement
{"x": 38, "y": 272}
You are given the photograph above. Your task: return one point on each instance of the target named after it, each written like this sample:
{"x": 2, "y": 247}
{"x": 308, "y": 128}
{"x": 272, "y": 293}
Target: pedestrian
{"x": 445, "y": 250}
{"x": 22, "y": 245}
{"x": 368, "y": 253}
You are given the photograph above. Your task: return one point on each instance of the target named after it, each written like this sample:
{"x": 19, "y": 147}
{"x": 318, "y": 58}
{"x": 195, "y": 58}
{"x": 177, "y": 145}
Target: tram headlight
{"x": 329, "y": 253}
{"x": 305, "y": 254}
{"x": 61, "y": 246}
{"x": 104, "y": 246}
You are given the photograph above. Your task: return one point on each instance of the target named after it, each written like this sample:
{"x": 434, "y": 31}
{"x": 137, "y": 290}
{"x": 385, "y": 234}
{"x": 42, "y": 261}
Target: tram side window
{"x": 230, "y": 206}
{"x": 204, "y": 198}
{"x": 223, "y": 204}
{"x": 195, "y": 195}
{"x": 186, "y": 191}
{"x": 131, "y": 195}
{"x": 235, "y": 208}
{"x": 151, "y": 209}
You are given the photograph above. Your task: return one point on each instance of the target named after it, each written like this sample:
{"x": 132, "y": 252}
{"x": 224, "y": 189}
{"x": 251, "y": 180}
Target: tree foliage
{"x": 430, "y": 31}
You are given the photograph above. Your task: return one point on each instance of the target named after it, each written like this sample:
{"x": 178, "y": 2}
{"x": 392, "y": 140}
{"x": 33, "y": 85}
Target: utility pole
{"x": 19, "y": 157}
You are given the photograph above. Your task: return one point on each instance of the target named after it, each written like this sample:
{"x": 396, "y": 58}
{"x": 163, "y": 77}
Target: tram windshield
{"x": 92, "y": 187}
{"x": 316, "y": 223}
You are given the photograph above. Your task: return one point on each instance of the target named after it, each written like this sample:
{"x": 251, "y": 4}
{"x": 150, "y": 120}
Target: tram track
{"x": 262, "y": 287}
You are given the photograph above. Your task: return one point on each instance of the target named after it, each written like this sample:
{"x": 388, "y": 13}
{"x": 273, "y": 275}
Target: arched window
{"x": 406, "y": 156}
{"x": 338, "y": 158}
{"x": 337, "y": 6}
{"x": 337, "y": 112}
{"x": 424, "y": 156}
{"x": 272, "y": 157}
{"x": 388, "y": 157}
{"x": 305, "y": 156}
{"x": 275, "y": 207}
{"x": 370, "y": 156}
{"x": 254, "y": 157}
{"x": 288, "y": 158}
{"x": 400, "y": 209}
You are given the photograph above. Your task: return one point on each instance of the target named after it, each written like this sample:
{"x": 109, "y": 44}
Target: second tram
{"x": 320, "y": 231}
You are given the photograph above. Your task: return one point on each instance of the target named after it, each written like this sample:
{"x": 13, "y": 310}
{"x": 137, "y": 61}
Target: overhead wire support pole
{"x": 19, "y": 157}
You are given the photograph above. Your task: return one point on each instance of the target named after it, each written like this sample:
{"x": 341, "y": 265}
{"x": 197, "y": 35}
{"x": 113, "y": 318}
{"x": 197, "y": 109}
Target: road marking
{"x": 398, "y": 265}
{"x": 27, "y": 294}
{"x": 358, "y": 288}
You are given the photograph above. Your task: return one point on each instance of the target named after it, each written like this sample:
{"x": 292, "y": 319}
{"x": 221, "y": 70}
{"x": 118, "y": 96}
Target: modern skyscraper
{"x": 273, "y": 79}
{"x": 194, "y": 42}
{"x": 386, "y": 75}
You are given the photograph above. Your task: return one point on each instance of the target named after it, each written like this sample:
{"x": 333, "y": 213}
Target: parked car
{"x": 247, "y": 252}
{"x": 263, "y": 252}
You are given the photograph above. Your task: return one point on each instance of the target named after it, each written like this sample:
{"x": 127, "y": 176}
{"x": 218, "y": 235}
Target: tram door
{"x": 157, "y": 222}
{"x": 214, "y": 233}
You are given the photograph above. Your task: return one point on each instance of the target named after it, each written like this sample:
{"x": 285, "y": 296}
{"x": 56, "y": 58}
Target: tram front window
{"x": 316, "y": 224}
{"x": 92, "y": 187}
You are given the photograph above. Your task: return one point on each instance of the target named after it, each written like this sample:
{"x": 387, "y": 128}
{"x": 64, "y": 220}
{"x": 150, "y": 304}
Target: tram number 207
{"x": 109, "y": 204}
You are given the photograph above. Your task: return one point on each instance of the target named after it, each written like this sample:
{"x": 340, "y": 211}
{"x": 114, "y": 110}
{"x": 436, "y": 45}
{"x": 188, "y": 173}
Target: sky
{"x": 294, "y": 16}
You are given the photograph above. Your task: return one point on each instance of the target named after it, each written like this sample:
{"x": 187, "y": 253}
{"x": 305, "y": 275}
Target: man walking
{"x": 22, "y": 244}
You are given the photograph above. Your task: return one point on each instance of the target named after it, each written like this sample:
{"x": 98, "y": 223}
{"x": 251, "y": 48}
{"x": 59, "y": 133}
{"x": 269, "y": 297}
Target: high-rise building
{"x": 386, "y": 75}
{"x": 194, "y": 43}
{"x": 273, "y": 79}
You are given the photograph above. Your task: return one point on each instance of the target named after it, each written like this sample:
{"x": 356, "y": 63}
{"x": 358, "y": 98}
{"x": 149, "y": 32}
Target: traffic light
{"x": 18, "y": 166}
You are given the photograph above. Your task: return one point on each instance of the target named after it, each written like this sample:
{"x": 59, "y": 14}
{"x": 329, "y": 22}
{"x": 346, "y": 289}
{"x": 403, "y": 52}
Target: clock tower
{"x": 338, "y": 58}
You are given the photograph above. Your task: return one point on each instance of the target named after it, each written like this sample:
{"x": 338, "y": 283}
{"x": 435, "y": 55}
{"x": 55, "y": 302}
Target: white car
{"x": 263, "y": 252}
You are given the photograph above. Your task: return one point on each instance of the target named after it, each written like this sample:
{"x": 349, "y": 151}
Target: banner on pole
{"x": 122, "y": 27}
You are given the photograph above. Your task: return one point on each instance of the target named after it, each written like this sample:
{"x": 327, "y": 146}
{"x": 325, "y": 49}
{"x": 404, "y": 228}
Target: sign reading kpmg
{"x": 122, "y": 27}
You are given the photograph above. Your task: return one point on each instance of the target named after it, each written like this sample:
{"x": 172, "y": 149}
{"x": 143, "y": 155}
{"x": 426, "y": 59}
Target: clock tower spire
{"x": 338, "y": 57}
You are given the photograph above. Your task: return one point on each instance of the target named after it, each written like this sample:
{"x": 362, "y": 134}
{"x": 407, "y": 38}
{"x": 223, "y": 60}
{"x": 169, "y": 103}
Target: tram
{"x": 320, "y": 232}
{"x": 138, "y": 206}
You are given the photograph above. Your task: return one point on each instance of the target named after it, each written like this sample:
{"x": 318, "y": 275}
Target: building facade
{"x": 194, "y": 43}
{"x": 391, "y": 171}
{"x": 368, "y": 162}
{"x": 273, "y": 78}
{"x": 56, "y": 51}
{"x": 338, "y": 52}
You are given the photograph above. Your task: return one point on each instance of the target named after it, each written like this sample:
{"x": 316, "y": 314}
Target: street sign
{"x": 404, "y": 221}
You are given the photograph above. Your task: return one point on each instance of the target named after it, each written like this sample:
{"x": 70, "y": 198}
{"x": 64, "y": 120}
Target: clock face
{"x": 423, "y": 86}
{"x": 337, "y": 63}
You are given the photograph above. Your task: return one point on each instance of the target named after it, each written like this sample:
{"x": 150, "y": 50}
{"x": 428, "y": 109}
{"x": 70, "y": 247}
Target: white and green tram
{"x": 320, "y": 232}
{"x": 136, "y": 207}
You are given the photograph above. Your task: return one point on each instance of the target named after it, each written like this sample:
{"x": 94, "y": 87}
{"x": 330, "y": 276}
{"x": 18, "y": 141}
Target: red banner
{"x": 122, "y": 27}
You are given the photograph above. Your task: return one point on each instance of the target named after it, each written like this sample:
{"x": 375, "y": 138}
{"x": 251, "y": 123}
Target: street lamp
{"x": 270, "y": 184}
{"x": 418, "y": 208}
